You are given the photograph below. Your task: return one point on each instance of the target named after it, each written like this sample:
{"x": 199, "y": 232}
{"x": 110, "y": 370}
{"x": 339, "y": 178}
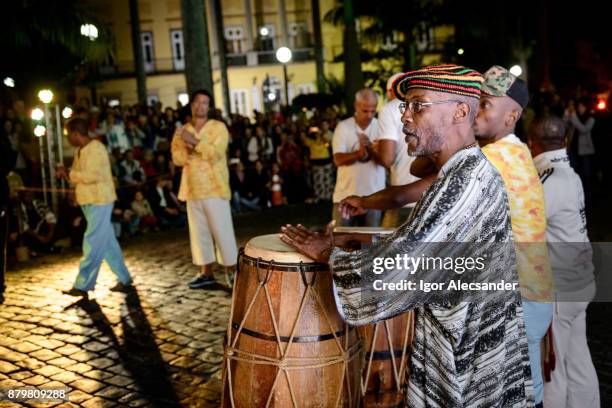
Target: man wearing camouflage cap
{"x": 504, "y": 96}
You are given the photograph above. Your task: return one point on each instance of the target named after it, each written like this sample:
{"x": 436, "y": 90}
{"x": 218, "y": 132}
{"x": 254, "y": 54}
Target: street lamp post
{"x": 60, "y": 144}
{"x": 46, "y": 96}
{"x": 39, "y": 131}
{"x": 283, "y": 55}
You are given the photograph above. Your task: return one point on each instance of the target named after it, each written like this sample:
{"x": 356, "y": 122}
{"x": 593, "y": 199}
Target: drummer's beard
{"x": 418, "y": 145}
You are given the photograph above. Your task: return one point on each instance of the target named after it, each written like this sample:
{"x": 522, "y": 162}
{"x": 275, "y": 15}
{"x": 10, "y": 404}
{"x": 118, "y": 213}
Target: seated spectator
{"x": 124, "y": 220}
{"x": 260, "y": 147}
{"x": 161, "y": 164}
{"x": 133, "y": 172}
{"x": 241, "y": 185}
{"x": 259, "y": 184}
{"x": 135, "y": 136}
{"x": 36, "y": 224}
{"x": 114, "y": 134}
{"x": 115, "y": 163}
{"x": 148, "y": 130}
{"x": 156, "y": 125}
{"x": 142, "y": 209}
{"x": 73, "y": 223}
{"x": 165, "y": 205}
{"x": 168, "y": 124}
{"x": 148, "y": 164}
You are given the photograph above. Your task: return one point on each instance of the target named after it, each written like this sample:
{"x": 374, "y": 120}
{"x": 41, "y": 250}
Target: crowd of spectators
{"x": 274, "y": 159}
{"x": 271, "y": 159}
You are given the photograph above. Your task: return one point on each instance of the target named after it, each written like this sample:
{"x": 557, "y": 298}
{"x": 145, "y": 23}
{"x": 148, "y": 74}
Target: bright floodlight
{"x": 283, "y": 55}
{"x": 45, "y": 96}
{"x": 516, "y": 70}
{"x": 460, "y": 51}
{"x": 90, "y": 31}
{"x": 183, "y": 98}
{"x": 264, "y": 31}
{"x": 37, "y": 114}
{"x": 10, "y": 82}
{"x": 271, "y": 96}
{"x": 39, "y": 130}
{"x": 67, "y": 112}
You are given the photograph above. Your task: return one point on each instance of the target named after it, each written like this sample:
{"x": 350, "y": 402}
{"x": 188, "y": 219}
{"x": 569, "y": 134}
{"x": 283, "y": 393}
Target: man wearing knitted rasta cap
{"x": 469, "y": 349}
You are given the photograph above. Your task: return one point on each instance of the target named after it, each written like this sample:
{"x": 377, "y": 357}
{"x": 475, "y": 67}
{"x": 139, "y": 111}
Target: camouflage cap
{"x": 498, "y": 81}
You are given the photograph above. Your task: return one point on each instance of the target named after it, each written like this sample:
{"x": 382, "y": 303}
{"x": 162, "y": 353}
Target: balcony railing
{"x": 301, "y": 48}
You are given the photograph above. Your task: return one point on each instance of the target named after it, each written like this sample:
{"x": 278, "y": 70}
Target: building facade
{"x": 253, "y": 30}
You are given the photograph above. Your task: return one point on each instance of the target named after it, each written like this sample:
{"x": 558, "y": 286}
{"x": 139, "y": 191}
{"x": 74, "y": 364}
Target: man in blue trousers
{"x": 95, "y": 193}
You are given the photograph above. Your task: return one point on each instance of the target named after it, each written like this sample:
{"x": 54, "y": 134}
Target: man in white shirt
{"x": 574, "y": 380}
{"x": 391, "y": 151}
{"x": 133, "y": 172}
{"x": 114, "y": 132}
{"x": 358, "y": 173}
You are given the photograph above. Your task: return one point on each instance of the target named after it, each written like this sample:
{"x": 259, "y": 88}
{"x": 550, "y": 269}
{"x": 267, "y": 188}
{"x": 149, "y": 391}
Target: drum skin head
{"x": 271, "y": 248}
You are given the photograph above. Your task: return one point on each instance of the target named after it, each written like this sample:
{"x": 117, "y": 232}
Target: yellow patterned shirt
{"x": 91, "y": 173}
{"x": 513, "y": 161}
{"x": 205, "y": 172}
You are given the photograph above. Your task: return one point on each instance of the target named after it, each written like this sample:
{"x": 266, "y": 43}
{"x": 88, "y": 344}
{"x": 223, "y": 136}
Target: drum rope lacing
{"x": 403, "y": 361}
{"x": 285, "y": 363}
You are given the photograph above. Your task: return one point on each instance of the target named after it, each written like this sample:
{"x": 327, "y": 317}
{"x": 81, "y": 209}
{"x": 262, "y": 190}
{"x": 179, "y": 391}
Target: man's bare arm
{"x": 392, "y": 197}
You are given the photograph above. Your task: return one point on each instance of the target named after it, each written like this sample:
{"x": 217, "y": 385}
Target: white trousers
{"x": 574, "y": 381}
{"x": 210, "y": 226}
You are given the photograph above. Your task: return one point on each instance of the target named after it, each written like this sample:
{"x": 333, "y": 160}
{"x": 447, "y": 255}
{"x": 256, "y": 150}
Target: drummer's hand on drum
{"x": 310, "y": 243}
{"x": 351, "y": 206}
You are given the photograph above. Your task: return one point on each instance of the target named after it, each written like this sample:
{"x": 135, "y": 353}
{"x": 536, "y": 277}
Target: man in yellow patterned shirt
{"x": 95, "y": 193}
{"x": 503, "y": 99}
{"x": 200, "y": 148}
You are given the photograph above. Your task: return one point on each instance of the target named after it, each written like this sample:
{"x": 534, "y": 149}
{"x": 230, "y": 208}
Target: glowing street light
{"x": 90, "y": 31}
{"x": 183, "y": 98}
{"x": 67, "y": 112}
{"x": 45, "y": 96}
{"x": 271, "y": 96}
{"x": 10, "y": 82}
{"x": 264, "y": 31}
{"x": 460, "y": 51}
{"x": 516, "y": 70}
{"x": 40, "y": 130}
{"x": 283, "y": 55}
{"x": 37, "y": 114}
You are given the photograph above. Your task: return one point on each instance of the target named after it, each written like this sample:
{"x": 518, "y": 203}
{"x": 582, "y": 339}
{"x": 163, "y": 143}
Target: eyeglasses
{"x": 418, "y": 106}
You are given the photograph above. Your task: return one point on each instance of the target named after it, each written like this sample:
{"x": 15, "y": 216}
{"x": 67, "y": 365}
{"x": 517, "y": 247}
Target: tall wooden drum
{"x": 286, "y": 344}
{"x": 387, "y": 344}
{"x": 387, "y": 348}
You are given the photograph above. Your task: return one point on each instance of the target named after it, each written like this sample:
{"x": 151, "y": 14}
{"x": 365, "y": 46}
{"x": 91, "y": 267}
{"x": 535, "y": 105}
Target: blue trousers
{"x": 538, "y": 317}
{"x": 100, "y": 243}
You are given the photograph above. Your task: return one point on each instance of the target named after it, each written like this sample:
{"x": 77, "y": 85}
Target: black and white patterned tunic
{"x": 464, "y": 354}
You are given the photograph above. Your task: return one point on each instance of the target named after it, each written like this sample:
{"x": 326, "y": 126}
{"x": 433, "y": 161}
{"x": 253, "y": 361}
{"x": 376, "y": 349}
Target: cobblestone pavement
{"x": 160, "y": 346}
